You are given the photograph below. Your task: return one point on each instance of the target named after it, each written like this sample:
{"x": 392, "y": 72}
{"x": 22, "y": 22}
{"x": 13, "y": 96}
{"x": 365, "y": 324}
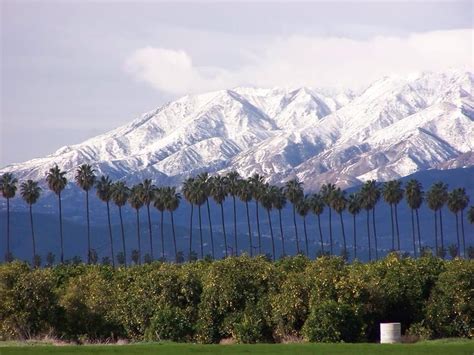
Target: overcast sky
{"x": 71, "y": 70}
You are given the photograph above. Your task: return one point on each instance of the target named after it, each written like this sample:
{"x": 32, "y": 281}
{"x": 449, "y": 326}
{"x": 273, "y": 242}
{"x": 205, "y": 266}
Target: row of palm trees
{"x": 199, "y": 189}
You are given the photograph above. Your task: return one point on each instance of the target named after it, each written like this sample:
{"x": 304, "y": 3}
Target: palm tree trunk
{"x": 320, "y": 235}
{"x": 393, "y": 228}
{"x": 174, "y": 237}
{"x": 200, "y": 232}
{"x": 462, "y": 234}
{"x": 223, "y": 229}
{"x": 343, "y": 235}
{"x": 88, "y": 229}
{"x": 436, "y": 233}
{"x": 457, "y": 233}
{"x": 162, "y": 235}
{"x": 418, "y": 230}
{"x": 305, "y": 236}
{"x": 296, "y": 230}
{"x": 191, "y": 232}
{"x": 413, "y": 232}
{"x": 7, "y": 256}
{"x": 32, "y": 235}
{"x": 149, "y": 230}
{"x": 236, "y": 251}
{"x": 368, "y": 236}
{"x": 61, "y": 228}
{"x": 123, "y": 237}
{"x": 375, "y": 235}
{"x": 271, "y": 233}
{"x": 354, "y": 232}
{"x": 330, "y": 232}
{"x": 281, "y": 234}
{"x": 441, "y": 230}
{"x": 110, "y": 236}
{"x": 396, "y": 224}
{"x": 210, "y": 227}
{"x": 138, "y": 239}
{"x": 258, "y": 229}
{"x": 250, "y": 232}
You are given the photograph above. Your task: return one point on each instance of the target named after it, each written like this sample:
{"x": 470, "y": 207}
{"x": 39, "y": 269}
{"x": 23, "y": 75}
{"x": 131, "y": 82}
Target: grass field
{"x": 443, "y": 347}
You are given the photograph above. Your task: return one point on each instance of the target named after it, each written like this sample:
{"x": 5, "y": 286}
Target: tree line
{"x": 198, "y": 190}
{"x": 242, "y": 299}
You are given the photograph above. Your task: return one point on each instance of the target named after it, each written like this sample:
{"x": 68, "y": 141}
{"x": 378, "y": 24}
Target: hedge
{"x": 247, "y": 299}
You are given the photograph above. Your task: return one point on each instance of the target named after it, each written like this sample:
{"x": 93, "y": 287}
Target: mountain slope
{"x": 397, "y": 126}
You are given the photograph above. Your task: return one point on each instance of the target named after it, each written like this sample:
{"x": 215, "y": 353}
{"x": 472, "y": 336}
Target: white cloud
{"x": 311, "y": 61}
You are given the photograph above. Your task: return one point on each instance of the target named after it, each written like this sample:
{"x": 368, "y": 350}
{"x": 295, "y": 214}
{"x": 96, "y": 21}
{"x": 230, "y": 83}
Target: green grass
{"x": 443, "y": 347}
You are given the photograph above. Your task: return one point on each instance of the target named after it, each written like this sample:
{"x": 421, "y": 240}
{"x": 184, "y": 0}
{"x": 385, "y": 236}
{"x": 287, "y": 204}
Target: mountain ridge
{"x": 395, "y": 127}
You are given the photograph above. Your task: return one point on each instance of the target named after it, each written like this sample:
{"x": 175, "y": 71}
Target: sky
{"x": 74, "y": 69}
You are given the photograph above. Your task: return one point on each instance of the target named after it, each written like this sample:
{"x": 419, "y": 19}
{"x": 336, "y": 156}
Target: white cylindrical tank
{"x": 390, "y": 333}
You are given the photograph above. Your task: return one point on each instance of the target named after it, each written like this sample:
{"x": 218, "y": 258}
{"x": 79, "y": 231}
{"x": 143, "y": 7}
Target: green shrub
{"x": 250, "y": 326}
{"x": 420, "y": 331}
{"x": 450, "y": 310}
{"x": 86, "y": 302}
{"x": 230, "y": 286}
{"x": 290, "y": 305}
{"x": 333, "y": 322}
{"x": 170, "y": 323}
{"x": 28, "y": 303}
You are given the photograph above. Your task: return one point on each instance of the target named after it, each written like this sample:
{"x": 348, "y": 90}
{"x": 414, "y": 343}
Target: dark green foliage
{"x": 169, "y": 323}
{"x": 450, "y": 310}
{"x": 28, "y": 302}
{"x": 248, "y": 299}
{"x": 331, "y": 322}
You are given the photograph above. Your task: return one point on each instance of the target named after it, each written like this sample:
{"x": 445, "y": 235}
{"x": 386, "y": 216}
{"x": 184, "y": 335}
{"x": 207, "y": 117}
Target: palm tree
{"x": 85, "y": 179}
{"x": 199, "y": 198}
{"x": 245, "y": 195}
{"x": 339, "y": 204}
{"x": 160, "y": 206}
{"x": 257, "y": 186}
{"x": 294, "y": 193}
{"x": 119, "y": 195}
{"x": 436, "y": 197}
{"x": 188, "y": 193}
{"x": 218, "y": 191}
{"x": 203, "y": 179}
{"x": 57, "y": 182}
{"x": 171, "y": 201}
{"x": 135, "y": 199}
{"x": 30, "y": 192}
{"x": 457, "y": 202}
{"x": 104, "y": 192}
{"x": 353, "y": 207}
{"x": 148, "y": 195}
{"x": 233, "y": 180}
{"x": 279, "y": 202}
{"x": 470, "y": 215}
{"x": 317, "y": 207}
{"x": 302, "y": 207}
{"x": 370, "y": 195}
{"x": 463, "y": 203}
{"x": 393, "y": 193}
{"x": 8, "y": 187}
{"x": 414, "y": 198}
{"x": 267, "y": 197}
{"x": 327, "y": 192}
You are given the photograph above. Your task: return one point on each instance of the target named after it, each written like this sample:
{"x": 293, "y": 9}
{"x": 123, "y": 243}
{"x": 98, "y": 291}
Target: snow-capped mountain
{"x": 397, "y": 126}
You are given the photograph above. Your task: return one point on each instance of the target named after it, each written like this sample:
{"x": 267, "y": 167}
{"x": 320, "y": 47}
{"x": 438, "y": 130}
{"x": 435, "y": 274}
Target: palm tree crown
{"x": 56, "y": 180}
{"x": 8, "y": 185}
{"x": 104, "y": 188}
{"x": 30, "y": 191}
{"x": 85, "y": 177}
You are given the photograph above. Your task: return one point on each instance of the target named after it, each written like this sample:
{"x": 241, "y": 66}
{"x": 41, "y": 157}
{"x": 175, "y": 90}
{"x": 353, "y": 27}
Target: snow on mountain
{"x": 395, "y": 127}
